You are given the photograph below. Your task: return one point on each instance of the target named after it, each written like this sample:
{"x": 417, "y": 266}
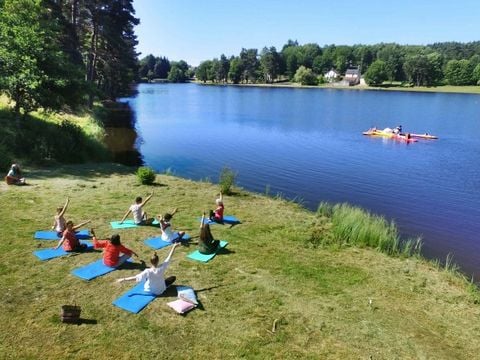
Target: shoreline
{"x": 447, "y": 89}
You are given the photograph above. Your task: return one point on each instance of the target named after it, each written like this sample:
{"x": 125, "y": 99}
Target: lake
{"x": 307, "y": 144}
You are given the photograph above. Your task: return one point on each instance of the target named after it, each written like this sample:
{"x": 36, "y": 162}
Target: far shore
{"x": 438, "y": 89}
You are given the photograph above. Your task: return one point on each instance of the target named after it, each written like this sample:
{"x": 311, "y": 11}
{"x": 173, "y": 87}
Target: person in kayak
{"x": 398, "y": 130}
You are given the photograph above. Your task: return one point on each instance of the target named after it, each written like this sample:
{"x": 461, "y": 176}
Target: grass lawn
{"x": 342, "y": 303}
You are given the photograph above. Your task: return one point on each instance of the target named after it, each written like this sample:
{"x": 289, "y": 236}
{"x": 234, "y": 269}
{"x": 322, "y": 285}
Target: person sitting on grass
{"x": 139, "y": 216}
{"x": 217, "y": 214}
{"x": 154, "y": 276}
{"x": 14, "y": 176}
{"x": 59, "y": 223}
{"x": 113, "y": 248}
{"x": 69, "y": 239}
{"x": 207, "y": 244}
{"x": 166, "y": 227}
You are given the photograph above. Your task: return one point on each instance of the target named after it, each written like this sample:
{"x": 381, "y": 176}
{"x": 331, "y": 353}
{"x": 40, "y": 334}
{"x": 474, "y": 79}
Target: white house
{"x": 331, "y": 76}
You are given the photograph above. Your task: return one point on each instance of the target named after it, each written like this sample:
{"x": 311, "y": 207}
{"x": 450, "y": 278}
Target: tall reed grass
{"x": 355, "y": 226}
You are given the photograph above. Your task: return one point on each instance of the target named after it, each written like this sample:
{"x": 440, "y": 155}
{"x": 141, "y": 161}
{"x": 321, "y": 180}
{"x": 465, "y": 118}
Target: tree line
{"x": 151, "y": 67}
{"x": 452, "y": 63}
{"x": 57, "y": 54}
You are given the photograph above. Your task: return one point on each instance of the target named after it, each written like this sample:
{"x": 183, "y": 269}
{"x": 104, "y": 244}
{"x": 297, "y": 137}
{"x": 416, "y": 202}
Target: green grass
{"x": 41, "y": 137}
{"x": 325, "y": 301}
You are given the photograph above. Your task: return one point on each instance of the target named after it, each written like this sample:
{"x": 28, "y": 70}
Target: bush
{"x": 146, "y": 175}
{"x": 226, "y": 180}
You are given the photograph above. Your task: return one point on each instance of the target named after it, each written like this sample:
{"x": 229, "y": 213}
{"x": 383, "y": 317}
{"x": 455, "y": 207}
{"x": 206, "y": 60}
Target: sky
{"x": 198, "y": 30}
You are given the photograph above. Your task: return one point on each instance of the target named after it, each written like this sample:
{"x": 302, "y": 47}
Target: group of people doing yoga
{"x": 115, "y": 253}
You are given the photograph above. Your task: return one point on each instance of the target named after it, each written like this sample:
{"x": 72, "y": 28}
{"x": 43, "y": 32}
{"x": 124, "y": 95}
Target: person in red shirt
{"x": 113, "y": 249}
{"x": 69, "y": 239}
{"x": 217, "y": 215}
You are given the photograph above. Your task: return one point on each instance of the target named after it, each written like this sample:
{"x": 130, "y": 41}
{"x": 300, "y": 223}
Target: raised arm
{"x": 169, "y": 256}
{"x": 64, "y": 207}
{"x": 76, "y": 227}
{"x": 126, "y": 279}
{"x": 125, "y": 216}
{"x": 202, "y": 223}
{"x": 221, "y": 197}
{"x": 174, "y": 211}
{"x": 146, "y": 199}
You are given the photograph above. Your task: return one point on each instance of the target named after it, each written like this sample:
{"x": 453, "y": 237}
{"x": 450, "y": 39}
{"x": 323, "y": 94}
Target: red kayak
{"x": 390, "y": 135}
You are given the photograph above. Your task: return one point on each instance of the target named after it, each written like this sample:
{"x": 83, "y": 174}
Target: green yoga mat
{"x": 127, "y": 224}
{"x": 198, "y": 256}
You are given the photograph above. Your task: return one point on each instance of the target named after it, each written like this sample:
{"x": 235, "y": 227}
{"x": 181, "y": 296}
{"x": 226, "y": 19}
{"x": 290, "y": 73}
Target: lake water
{"x": 308, "y": 144}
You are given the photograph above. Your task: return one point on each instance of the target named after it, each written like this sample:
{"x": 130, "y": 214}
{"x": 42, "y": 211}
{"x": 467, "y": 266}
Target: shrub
{"x": 146, "y": 175}
{"x": 227, "y": 180}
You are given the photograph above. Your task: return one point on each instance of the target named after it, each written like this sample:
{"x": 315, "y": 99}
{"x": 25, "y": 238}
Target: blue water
{"x": 307, "y": 144}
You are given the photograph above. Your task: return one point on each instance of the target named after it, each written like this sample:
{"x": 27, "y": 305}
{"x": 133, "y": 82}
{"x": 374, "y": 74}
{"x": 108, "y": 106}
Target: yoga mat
{"x": 135, "y": 299}
{"x": 196, "y": 255}
{"x": 93, "y": 270}
{"x": 52, "y": 235}
{"x": 47, "y": 254}
{"x": 157, "y": 242}
{"x": 227, "y": 219}
{"x": 127, "y": 224}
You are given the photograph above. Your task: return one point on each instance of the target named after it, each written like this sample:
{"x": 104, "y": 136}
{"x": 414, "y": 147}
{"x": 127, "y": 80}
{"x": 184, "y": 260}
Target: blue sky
{"x": 197, "y": 30}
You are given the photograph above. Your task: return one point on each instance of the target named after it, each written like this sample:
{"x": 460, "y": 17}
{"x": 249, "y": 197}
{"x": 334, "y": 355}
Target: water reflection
{"x": 122, "y": 144}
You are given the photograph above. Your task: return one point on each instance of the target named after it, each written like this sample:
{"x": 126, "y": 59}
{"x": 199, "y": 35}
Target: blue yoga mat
{"x": 135, "y": 299}
{"x": 157, "y": 242}
{"x": 47, "y": 254}
{"x": 93, "y": 270}
{"x": 198, "y": 256}
{"x": 127, "y": 224}
{"x": 52, "y": 235}
{"x": 227, "y": 219}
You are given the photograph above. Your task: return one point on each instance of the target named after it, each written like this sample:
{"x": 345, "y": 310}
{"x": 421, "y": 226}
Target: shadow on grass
{"x": 86, "y": 172}
{"x": 225, "y": 251}
{"x": 133, "y": 266}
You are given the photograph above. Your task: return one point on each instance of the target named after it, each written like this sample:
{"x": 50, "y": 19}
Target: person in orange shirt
{"x": 113, "y": 249}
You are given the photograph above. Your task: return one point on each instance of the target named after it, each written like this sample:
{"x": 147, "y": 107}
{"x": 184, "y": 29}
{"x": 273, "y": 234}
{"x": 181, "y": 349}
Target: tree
{"x": 419, "y": 70}
{"x": 459, "y": 72}
{"x": 178, "y": 71}
{"x": 223, "y": 68}
{"x": 305, "y": 76}
{"x": 343, "y": 58}
{"x": 35, "y": 71}
{"x": 145, "y": 65}
{"x": 290, "y": 57}
{"x": 393, "y": 58}
{"x": 161, "y": 68}
{"x": 476, "y": 74}
{"x": 202, "y": 70}
{"x": 236, "y": 70}
{"x": 307, "y": 53}
{"x": 377, "y": 73}
{"x": 251, "y": 64}
{"x": 270, "y": 64}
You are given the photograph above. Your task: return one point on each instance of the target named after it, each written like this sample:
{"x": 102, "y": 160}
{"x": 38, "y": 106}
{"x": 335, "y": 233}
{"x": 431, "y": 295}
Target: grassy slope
{"x": 319, "y": 297}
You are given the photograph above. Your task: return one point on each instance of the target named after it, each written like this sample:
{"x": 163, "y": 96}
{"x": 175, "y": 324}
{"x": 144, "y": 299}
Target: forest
{"x": 65, "y": 54}
{"x": 447, "y": 63}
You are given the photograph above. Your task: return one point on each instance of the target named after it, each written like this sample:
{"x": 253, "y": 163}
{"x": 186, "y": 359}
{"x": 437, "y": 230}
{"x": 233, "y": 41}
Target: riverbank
{"x": 276, "y": 293}
{"x": 439, "y": 89}
{"x": 43, "y": 138}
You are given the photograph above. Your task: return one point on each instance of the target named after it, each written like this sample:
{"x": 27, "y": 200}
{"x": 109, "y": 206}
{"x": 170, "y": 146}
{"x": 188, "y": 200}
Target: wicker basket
{"x": 70, "y": 314}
